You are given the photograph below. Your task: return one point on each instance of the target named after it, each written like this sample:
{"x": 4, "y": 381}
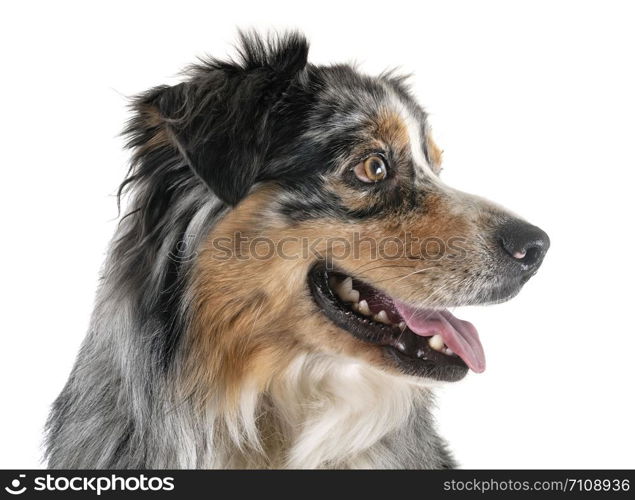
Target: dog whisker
{"x": 201, "y": 356}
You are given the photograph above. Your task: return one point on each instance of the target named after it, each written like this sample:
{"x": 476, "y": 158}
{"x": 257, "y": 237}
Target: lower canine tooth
{"x": 363, "y": 307}
{"x": 402, "y": 325}
{"x": 436, "y": 342}
{"x": 449, "y": 352}
{"x": 382, "y": 317}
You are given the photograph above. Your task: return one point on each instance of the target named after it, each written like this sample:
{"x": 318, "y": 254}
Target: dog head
{"x": 338, "y": 235}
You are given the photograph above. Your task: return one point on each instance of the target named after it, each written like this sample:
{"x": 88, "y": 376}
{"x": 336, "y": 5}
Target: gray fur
{"x": 270, "y": 117}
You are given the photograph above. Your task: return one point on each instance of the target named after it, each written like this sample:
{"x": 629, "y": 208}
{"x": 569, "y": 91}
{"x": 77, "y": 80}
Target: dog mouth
{"x": 421, "y": 341}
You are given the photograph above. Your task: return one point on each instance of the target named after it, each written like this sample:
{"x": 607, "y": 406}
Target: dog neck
{"x": 330, "y": 411}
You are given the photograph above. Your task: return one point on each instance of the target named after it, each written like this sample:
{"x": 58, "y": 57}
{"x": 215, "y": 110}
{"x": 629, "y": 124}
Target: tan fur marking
{"x": 160, "y": 138}
{"x": 152, "y": 116}
{"x": 254, "y": 316}
{"x": 390, "y": 128}
{"x": 435, "y": 153}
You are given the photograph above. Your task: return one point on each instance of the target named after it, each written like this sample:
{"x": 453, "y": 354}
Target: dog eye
{"x": 372, "y": 169}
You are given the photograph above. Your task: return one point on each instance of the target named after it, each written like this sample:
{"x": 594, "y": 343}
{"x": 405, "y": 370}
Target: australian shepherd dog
{"x": 278, "y": 290}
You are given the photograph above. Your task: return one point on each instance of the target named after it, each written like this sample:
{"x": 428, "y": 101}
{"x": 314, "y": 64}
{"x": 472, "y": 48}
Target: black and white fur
{"x": 268, "y": 117}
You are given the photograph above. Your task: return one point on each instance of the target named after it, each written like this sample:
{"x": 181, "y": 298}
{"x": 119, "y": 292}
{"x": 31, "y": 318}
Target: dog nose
{"x": 523, "y": 243}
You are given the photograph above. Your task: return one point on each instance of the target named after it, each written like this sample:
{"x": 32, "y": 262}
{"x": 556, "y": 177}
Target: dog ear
{"x": 223, "y": 117}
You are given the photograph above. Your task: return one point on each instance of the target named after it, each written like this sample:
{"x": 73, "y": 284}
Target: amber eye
{"x": 372, "y": 169}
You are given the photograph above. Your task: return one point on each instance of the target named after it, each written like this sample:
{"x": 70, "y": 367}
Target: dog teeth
{"x": 363, "y": 308}
{"x": 344, "y": 289}
{"x": 382, "y": 317}
{"x": 436, "y": 342}
{"x": 346, "y": 285}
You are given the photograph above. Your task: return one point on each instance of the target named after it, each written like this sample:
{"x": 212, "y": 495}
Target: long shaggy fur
{"x": 192, "y": 363}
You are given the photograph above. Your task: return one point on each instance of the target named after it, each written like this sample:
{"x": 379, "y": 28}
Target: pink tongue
{"x": 458, "y": 335}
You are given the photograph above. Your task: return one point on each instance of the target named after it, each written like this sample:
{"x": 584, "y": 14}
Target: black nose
{"x": 523, "y": 243}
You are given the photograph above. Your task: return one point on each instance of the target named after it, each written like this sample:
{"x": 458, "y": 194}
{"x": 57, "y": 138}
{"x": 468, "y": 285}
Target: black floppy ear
{"x": 224, "y": 116}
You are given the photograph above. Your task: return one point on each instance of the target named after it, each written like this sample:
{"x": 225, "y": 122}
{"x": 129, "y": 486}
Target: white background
{"x": 533, "y": 103}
